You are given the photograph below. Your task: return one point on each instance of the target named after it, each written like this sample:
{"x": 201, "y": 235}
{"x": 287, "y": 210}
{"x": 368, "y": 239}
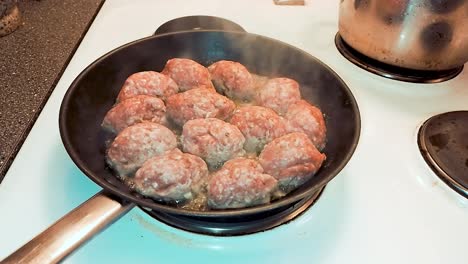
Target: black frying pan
{"x": 94, "y": 91}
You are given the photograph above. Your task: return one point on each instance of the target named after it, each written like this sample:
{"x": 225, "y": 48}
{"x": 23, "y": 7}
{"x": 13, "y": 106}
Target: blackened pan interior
{"x": 94, "y": 91}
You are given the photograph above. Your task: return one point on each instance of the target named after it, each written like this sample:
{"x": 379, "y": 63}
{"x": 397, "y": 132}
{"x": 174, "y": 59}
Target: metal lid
{"x": 443, "y": 142}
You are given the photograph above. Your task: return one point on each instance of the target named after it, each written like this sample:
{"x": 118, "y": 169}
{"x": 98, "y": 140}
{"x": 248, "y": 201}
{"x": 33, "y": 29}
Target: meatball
{"x": 304, "y": 117}
{"x": 278, "y": 94}
{"x": 198, "y": 103}
{"x": 137, "y": 143}
{"x": 173, "y": 176}
{"x": 188, "y": 74}
{"x": 148, "y": 83}
{"x": 240, "y": 183}
{"x": 292, "y": 159}
{"x": 213, "y": 140}
{"x": 232, "y": 79}
{"x": 134, "y": 110}
{"x": 259, "y": 81}
{"x": 259, "y": 125}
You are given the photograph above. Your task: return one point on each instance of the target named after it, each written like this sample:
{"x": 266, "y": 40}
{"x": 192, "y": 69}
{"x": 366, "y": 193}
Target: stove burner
{"x": 391, "y": 71}
{"x": 197, "y": 23}
{"x": 443, "y": 142}
{"x": 231, "y": 226}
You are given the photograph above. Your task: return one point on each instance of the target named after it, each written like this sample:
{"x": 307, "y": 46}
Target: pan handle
{"x": 71, "y": 231}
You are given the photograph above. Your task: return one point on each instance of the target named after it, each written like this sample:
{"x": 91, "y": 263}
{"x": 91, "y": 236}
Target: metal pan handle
{"x": 71, "y": 231}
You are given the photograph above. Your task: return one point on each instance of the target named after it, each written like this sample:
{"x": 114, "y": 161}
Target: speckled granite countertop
{"x": 32, "y": 60}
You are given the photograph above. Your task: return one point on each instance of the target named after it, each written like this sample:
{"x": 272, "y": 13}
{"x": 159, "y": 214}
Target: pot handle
{"x": 71, "y": 231}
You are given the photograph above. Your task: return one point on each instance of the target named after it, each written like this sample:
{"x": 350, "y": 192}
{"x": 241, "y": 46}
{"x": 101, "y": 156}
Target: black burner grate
{"x": 234, "y": 226}
{"x": 391, "y": 71}
{"x": 443, "y": 142}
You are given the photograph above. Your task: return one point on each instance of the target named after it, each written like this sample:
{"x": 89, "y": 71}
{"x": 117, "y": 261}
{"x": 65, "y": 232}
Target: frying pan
{"x": 94, "y": 91}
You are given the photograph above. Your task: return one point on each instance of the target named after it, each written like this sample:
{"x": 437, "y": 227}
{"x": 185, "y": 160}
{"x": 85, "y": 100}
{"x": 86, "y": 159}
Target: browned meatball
{"x": 292, "y": 159}
{"x": 188, "y": 74}
{"x": 134, "y": 110}
{"x": 306, "y": 118}
{"x": 173, "y": 176}
{"x": 259, "y": 81}
{"x": 213, "y": 140}
{"x": 240, "y": 183}
{"x": 259, "y": 125}
{"x": 148, "y": 83}
{"x": 278, "y": 94}
{"x": 232, "y": 79}
{"x": 198, "y": 103}
{"x": 137, "y": 143}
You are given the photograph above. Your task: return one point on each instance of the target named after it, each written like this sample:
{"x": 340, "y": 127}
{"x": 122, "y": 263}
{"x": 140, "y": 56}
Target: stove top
{"x": 386, "y": 206}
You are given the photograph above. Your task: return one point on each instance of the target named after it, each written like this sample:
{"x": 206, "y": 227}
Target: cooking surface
{"x": 31, "y": 61}
{"x": 386, "y": 206}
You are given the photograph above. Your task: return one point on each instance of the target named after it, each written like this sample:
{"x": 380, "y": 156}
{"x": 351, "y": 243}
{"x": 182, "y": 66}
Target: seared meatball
{"x": 259, "y": 81}
{"x": 188, "y": 74}
{"x": 173, "y": 176}
{"x": 198, "y": 103}
{"x": 278, "y": 94}
{"x": 240, "y": 183}
{"x": 232, "y": 79}
{"x": 259, "y": 125}
{"x": 134, "y": 110}
{"x": 148, "y": 83}
{"x": 292, "y": 159}
{"x": 213, "y": 140}
{"x": 137, "y": 143}
{"x": 306, "y": 118}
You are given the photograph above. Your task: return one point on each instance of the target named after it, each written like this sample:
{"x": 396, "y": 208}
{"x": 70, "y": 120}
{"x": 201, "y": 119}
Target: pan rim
{"x": 72, "y": 152}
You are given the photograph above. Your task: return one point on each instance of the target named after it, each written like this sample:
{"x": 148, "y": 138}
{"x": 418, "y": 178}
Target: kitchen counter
{"x": 32, "y": 60}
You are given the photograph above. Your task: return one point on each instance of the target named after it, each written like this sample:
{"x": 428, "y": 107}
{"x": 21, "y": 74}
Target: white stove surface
{"x": 386, "y": 206}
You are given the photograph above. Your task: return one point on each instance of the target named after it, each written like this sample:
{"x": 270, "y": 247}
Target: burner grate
{"x": 391, "y": 71}
{"x": 443, "y": 142}
{"x": 234, "y": 226}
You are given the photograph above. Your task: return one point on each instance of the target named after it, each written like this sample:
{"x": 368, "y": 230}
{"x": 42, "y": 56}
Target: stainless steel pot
{"x": 414, "y": 34}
